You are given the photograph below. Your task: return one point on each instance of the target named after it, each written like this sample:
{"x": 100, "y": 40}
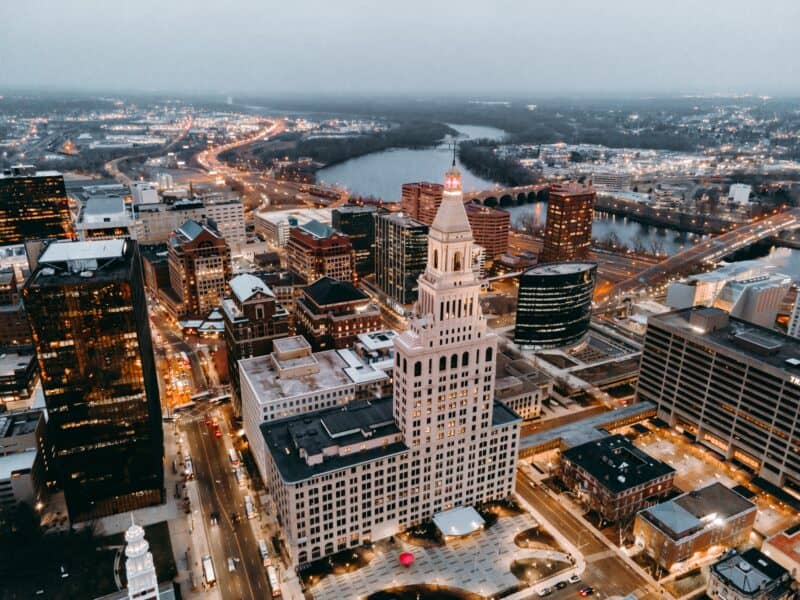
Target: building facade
{"x": 358, "y": 223}
{"x": 421, "y": 200}
{"x": 490, "y": 228}
{"x": 15, "y": 330}
{"x": 615, "y": 478}
{"x": 253, "y": 319}
{"x": 673, "y": 531}
{"x": 568, "y": 232}
{"x": 331, "y": 314}
{"x": 33, "y": 205}
{"x": 749, "y": 575}
{"x": 91, "y": 332}
{"x": 439, "y": 443}
{"x": 729, "y": 384}
{"x": 554, "y": 304}
{"x": 199, "y": 261}
{"x": 400, "y": 256}
{"x": 315, "y": 250}
{"x": 154, "y": 223}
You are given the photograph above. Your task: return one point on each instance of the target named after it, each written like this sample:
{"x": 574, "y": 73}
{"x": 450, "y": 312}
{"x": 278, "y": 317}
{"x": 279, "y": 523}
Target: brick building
{"x": 316, "y": 250}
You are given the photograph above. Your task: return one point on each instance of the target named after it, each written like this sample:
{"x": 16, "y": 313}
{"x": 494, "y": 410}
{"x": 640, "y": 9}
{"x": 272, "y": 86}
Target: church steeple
{"x": 139, "y": 568}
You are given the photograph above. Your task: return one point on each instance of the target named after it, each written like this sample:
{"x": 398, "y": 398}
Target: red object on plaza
{"x": 406, "y": 559}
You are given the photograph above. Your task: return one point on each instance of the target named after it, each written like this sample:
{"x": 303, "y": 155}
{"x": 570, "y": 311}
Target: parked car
{"x": 545, "y": 592}
{"x": 574, "y": 578}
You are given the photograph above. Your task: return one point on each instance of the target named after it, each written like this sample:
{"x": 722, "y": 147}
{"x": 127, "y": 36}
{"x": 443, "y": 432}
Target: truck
{"x": 274, "y": 585}
{"x": 208, "y": 571}
{"x": 249, "y": 508}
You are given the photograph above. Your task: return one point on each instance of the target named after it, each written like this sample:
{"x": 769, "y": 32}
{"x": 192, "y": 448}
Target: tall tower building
{"x": 358, "y": 223}
{"x": 445, "y": 377}
{"x": 91, "y": 331}
{"x": 421, "y": 200}
{"x": 139, "y": 568}
{"x": 33, "y": 205}
{"x": 568, "y": 232}
{"x": 400, "y": 256}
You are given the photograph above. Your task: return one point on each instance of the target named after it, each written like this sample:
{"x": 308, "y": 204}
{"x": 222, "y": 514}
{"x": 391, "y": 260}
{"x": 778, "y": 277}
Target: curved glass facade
{"x": 554, "y": 304}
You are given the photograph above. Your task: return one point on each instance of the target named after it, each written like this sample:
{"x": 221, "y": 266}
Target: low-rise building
{"x": 105, "y": 217}
{"x": 22, "y": 458}
{"x": 17, "y": 379}
{"x": 784, "y": 549}
{"x": 675, "y": 531}
{"x": 749, "y": 575}
{"x": 332, "y": 313}
{"x": 275, "y": 226}
{"x": 521, "y": 386}
{"x": 156, "y": 222}
{"x": 15, "y": 330}
{"x": 253, "y": 319}
{"x": 615, "y": 478}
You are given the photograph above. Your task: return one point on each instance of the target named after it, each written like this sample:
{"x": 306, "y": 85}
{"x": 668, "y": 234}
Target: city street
{"x": 606, "y": 571}
{"x": 219, "y": 493}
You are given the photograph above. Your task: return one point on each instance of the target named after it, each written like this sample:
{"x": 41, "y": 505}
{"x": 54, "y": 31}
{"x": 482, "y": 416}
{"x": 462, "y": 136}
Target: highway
{"x": 220, "y": 494}
{"x": 711, "y": 250}
{"x": 605, "y": 571}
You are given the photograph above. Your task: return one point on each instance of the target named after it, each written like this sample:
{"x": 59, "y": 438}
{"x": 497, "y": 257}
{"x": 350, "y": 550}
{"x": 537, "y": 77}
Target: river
{"x": 382, "y": 174}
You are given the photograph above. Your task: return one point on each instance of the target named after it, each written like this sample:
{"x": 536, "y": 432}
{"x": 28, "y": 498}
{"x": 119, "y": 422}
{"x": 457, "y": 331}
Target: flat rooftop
{"x": 788, "y": 542}
{"x": 378, "y": 340}
{"x": 12, "y": 363}
{"x": 402, "y": 219}
{"x": 738, "y": 337}
{"x": 21, "y": 423}
{"x": 291, "y": 440}
{"x": 616, "y": 463}
{"x": 13, "y": 463}
{"x": 64, "y": 251}
{"x": 565, "y": 268}
{"x": 694, "y": 511}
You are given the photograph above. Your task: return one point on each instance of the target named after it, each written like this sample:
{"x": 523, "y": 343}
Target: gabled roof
{"x": 317, "y": 229}
{"x": 191, "y": 229}
{"x": 327, "y": 290}
{"x": 246, "y": 286}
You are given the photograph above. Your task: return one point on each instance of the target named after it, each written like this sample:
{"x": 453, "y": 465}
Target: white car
{"x": 544, "y": 592}
{"x": 574, "y": 578}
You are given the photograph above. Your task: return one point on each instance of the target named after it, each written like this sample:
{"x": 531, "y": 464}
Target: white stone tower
{"x": 139, "y": 568}
{"x": 445, "y": 375}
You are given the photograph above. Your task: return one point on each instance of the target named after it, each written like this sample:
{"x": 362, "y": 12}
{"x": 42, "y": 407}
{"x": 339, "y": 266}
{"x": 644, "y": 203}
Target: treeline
{"x": 479, "y": 157}
{"x": 416, "y": 134}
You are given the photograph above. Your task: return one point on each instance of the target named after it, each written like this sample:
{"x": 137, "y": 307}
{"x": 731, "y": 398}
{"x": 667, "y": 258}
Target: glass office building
{"x": 554, "y": 305}
{"x": 86, "y": 303}
{"x": 33, "y": 205}
{"x": 358, "y": 223}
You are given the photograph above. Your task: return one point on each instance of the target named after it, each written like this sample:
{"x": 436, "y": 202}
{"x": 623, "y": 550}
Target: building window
{"x": 457, "y": 261}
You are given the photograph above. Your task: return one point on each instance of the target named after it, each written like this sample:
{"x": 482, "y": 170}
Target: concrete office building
{"x": 18, "y": 378}
{"x": 33, "y": 205}
{"x": 421, "y": 200}
{"x": 440, "y": 442}
{"x": 276, "y": 225}
{"x": 794, "y": 320}
{"x": 568, "y": 231}
{"x": 731, "y": 385}
{"x": 401, "y": 245}
{"x": 87, "y": 306}
{"x": 103, "y": 218}
{"x": 14, "y": 327}
{"x": 784, "y": 549}
{"x": 155, "y": 222}
{"x": 144, "y": 193}
{"x": 674, "y": 531}
{"x": 739, "y": 193}
{"x": 749, "y": 575}
{"x": 490, "y": 228}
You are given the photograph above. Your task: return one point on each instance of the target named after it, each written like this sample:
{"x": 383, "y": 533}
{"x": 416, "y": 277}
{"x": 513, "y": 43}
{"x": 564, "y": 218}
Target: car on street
{"x": 586, "y": 591}
{"x": 574, "y": 578}
{"x": 560, "y": 585}
{"x": 214, "y": 518}
{"x": 544, "y": 592}
{"x": 231, "y": 564}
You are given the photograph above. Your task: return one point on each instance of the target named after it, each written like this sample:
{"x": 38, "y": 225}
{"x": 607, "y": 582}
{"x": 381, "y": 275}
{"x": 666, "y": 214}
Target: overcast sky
{"x": 482, "y": 48}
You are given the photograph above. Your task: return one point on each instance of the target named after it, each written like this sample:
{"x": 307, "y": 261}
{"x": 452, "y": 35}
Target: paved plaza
{"x": 480, "y": 563}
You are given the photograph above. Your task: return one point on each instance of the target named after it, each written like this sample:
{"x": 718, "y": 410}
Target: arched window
{"x": 454, "y": 361}
{"x": 465, "y": 359}
{"x": 442, "y": 363}
{"x": 457, "y": 261}
{"x": 417, "y": 369}
{"x": 488, "y": 355}
{"x": 436, "y": 259}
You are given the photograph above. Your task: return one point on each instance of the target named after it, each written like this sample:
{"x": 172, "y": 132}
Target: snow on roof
{"x": 11, "y": 463}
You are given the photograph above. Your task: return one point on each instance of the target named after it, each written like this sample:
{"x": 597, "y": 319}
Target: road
{"x": 112, "y": 166}
{"x": 605, "y": 571}
{"x": 220, "y": 493}
{"x": 711, "y": 250}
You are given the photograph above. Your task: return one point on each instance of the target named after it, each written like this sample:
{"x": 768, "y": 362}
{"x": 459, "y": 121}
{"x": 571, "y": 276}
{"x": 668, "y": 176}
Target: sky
{"x": 486, "y": 48}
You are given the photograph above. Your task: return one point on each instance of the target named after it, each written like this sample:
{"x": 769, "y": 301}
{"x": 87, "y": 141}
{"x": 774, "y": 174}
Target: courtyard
{"x": 480, "y": 563}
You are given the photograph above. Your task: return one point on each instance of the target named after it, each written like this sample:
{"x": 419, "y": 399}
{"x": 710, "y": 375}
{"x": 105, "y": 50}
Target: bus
{"x": 200, "y": 396}
{"x": 182, "y": 407}
{"x": 264, "y": 552}
{"x": 189, "y": 472}
{"x": 249, "y": 509}
{"x": 208, "y": 571}
{"x": 274, "y": 585}
{"x": 233, "y": 455}
{"x": 220, "y": 399}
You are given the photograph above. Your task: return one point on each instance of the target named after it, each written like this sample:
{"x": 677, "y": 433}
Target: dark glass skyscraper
{"x": 401, "y": 253}
{"x": 358, "y": 223}
{"x": 33, "y": 205}
{"x": 91, "y": 331}
{"x": 554, "y": 304}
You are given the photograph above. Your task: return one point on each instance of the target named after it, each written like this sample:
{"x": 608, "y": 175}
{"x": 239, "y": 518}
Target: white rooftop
{"x": 246, "y": 285}
{"x": 64, "y": 251}
{"x": 458, "y": 521}
{"x": 10, "y": 463}
{"x": 377, "y": 340}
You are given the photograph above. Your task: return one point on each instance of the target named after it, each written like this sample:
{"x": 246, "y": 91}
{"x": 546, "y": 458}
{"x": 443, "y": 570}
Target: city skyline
{"x": 578, "y": 47}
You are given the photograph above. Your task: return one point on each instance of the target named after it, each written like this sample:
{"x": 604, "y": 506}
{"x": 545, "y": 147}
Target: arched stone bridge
{"x": 510, "y": 196}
